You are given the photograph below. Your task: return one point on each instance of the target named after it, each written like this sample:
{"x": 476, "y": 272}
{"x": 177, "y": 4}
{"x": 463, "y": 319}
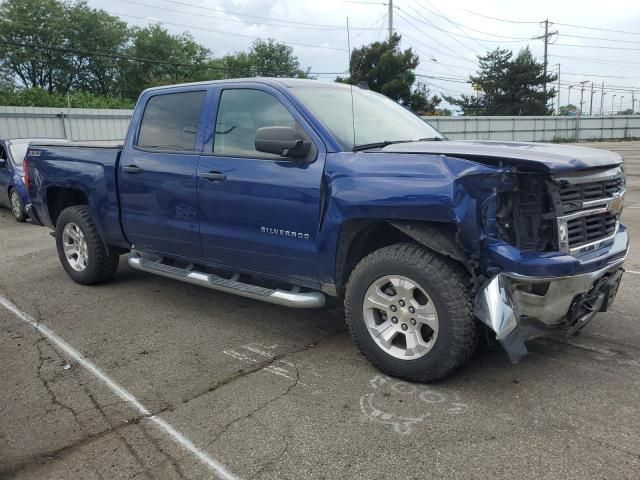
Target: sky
{"x": 446, "y": 34}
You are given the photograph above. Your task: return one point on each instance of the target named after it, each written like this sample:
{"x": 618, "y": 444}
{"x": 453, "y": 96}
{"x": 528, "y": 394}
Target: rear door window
{"x": 170, "y": 122}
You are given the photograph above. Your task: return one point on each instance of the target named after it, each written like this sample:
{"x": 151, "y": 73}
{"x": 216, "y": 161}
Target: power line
{"x": 226, "y": 17}
{"x": 597, "y": 28}
{"x": 457, "y": 25}
{"x": 597, "y": 46}
{"x": 429, "y": 22}
{"x": 227, "y": 33}
{"x": 420, "y": 30}
{"x": 498, "y": 19}
{"x": 145, "y": 60}
{"x": 238, "y": 14}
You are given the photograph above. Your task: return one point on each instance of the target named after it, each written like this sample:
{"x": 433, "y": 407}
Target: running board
{"x": 287, "y": 298}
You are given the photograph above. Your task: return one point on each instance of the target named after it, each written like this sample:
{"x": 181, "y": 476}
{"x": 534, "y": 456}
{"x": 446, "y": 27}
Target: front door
{"x": 5, "y": 176}
{"x": 259, "y": 211}
{"x": 157, "y": 176}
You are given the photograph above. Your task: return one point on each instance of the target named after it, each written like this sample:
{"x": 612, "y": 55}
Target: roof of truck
{"x": 286, "y": 82}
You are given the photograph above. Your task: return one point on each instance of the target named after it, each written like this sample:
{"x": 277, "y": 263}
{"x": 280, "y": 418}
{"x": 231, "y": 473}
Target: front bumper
{"x": 518, "y": 308}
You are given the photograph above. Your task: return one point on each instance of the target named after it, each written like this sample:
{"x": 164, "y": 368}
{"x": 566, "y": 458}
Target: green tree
{"x": 96, "y": 30}
{"x": 166, "y": 59}
{"x": 508, "y": 86}
{"x": 388, "y": 70}
{"x": 566, "y": 110}
{"x": 265, "y": 58}
{"x": 25, "y": 24}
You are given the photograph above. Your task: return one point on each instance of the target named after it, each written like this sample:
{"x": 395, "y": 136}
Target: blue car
{"x": 13, "y": 193}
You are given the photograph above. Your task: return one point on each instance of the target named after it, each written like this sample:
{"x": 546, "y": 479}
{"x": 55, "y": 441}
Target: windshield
{"x": 376, "y": 118}
{"x": 18, "y": 152}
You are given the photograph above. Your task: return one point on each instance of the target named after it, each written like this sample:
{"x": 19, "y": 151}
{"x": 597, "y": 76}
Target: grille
{"x": 572, "y": 195}
{"x": 588, "y": 229}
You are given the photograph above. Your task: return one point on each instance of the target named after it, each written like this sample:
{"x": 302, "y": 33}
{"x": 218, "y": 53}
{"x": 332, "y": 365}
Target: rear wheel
{"x": 17, "y": 207}
{"x": 410, "y": 313}
{"x": 80, "y": 248}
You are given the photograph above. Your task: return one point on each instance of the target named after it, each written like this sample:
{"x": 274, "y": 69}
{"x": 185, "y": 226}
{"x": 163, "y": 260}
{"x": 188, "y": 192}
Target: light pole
{"x": 602, "y": 103}
{"x": 613, "y": 97}
{"x": 621, "y": 97}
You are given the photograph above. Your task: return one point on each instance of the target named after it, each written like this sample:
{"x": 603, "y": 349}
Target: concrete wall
{"x": 103, "y": 124}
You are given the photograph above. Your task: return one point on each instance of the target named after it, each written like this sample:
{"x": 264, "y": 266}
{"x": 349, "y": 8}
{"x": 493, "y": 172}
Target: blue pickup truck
{"x": 293, "y": 191}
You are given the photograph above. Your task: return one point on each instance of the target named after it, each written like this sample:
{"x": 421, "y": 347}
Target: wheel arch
{"x": 358, "y": 238}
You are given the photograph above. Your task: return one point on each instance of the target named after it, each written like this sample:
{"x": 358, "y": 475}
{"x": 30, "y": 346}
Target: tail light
{"x": 25, "y": 169}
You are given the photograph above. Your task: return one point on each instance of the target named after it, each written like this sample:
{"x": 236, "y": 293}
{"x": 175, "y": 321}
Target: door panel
{"x": 157, "y": 176}
{"x": 264, "y": 214}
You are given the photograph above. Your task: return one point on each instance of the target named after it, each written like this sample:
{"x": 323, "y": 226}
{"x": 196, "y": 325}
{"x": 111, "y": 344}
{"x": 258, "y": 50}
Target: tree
{"x": 388, "y": 70}
{"x": 167, "y": 59}
{"x": 265, "y": 58}
{"x": 508, "y": 86}
{"x": 96, "y": 30}
{"x": 566, "y": 110}
{"x": 25, "y": 24}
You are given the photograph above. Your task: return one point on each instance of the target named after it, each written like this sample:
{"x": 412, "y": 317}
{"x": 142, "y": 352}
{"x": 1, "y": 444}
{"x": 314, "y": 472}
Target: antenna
{"x": 353, "y": 115}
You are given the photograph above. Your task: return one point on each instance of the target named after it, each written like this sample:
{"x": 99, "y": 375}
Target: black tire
{"x": 449, "y": 287}
{"x": 100, "y": 266}
{"x": 17, "y": 208}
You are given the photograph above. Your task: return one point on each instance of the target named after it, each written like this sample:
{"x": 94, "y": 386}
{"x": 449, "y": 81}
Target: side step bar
{"x": 292, "y": 298}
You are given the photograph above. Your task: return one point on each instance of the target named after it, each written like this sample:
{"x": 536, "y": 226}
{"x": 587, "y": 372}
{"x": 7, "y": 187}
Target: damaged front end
{"x": 551, "y": 253}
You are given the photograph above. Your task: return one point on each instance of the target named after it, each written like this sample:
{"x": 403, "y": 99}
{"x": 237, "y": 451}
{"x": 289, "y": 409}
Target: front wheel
{"x": 80, "y": 248}
{"x": 409, "y": 311}
{"x": 17, "y": 207}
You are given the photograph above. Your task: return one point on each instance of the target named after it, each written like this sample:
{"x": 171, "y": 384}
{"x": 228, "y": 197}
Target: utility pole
{"x": 390, "y": 20}
{"x": 547, "y": 35}
{"x": 633, "y": 100}
{"x": 591, "y": 102}
{"x": 582, "y": 84}
{"x": 558, "y": 109}
{"x": 613, "y": 97}
{"x": 602, "y": 100}
{"x": 621, "y": 98}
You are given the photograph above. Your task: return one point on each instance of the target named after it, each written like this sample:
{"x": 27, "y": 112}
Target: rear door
{"x": 263, "y": 212}
{"x": 157, "y": 173}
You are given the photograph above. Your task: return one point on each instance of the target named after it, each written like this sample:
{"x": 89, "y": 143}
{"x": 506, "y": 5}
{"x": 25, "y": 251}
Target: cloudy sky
{"x": 597, "y": 41}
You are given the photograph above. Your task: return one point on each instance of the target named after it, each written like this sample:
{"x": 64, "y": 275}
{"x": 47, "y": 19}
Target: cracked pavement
{"x": 273, "y": 393}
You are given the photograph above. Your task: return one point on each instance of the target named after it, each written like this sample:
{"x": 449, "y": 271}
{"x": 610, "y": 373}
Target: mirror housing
{"x": 3, "y": 163}
{"x": 283, "y": 141}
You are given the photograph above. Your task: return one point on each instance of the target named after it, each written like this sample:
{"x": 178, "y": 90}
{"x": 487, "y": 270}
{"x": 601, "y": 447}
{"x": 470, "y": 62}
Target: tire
{"x": 440, "y": 285}
{"x": 17, "y": 207}
{"x": 91, "y": 263}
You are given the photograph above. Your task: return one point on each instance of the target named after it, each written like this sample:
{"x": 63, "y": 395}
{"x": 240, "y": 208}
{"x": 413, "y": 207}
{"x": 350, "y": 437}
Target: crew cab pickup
{"x": 292, "y": 191}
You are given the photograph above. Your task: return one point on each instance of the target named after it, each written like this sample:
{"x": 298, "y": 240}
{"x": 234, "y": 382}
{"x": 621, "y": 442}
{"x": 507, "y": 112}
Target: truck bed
{"x": 87, "y": 167}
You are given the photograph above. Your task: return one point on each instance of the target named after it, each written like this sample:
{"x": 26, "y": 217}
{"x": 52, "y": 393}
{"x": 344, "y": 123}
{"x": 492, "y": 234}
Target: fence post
{"x": 64, "y": 125}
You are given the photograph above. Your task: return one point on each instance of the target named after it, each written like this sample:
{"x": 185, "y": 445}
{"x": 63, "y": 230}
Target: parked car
{"x": 289, "y": 191}
{"x": 13, "y": 193}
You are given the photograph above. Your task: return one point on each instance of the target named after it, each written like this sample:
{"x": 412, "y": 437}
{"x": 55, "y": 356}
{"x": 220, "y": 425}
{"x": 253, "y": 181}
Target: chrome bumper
{"x": 519, "y": 308}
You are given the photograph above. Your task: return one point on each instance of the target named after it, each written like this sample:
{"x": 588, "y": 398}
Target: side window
{"x": 170, "y": 121}
{"x": 240, "y": 114}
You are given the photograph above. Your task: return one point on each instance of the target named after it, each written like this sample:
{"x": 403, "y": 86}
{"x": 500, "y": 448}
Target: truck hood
{"x": 546, "y": 157}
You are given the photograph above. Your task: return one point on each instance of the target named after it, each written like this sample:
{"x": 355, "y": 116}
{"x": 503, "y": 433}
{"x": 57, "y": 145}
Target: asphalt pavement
{"x": 146, "y": 377}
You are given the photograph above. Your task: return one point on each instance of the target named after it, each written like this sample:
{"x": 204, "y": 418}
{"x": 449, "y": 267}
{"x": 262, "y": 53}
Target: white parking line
{"x": 632, "y": 271}
{"x": 216, "y": 467}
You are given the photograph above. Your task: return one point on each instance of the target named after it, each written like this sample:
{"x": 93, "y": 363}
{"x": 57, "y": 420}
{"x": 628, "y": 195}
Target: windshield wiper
{"x": 367, "y": 146}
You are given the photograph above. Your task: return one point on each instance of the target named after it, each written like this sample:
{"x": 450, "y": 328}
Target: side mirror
{"x": 283, "y": 141}
{"x": 3, "y": 163}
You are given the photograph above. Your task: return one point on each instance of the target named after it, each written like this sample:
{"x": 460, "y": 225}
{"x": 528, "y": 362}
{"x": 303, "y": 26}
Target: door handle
{"x": 131, "y": 169}
{"x": 213, "y": 176}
